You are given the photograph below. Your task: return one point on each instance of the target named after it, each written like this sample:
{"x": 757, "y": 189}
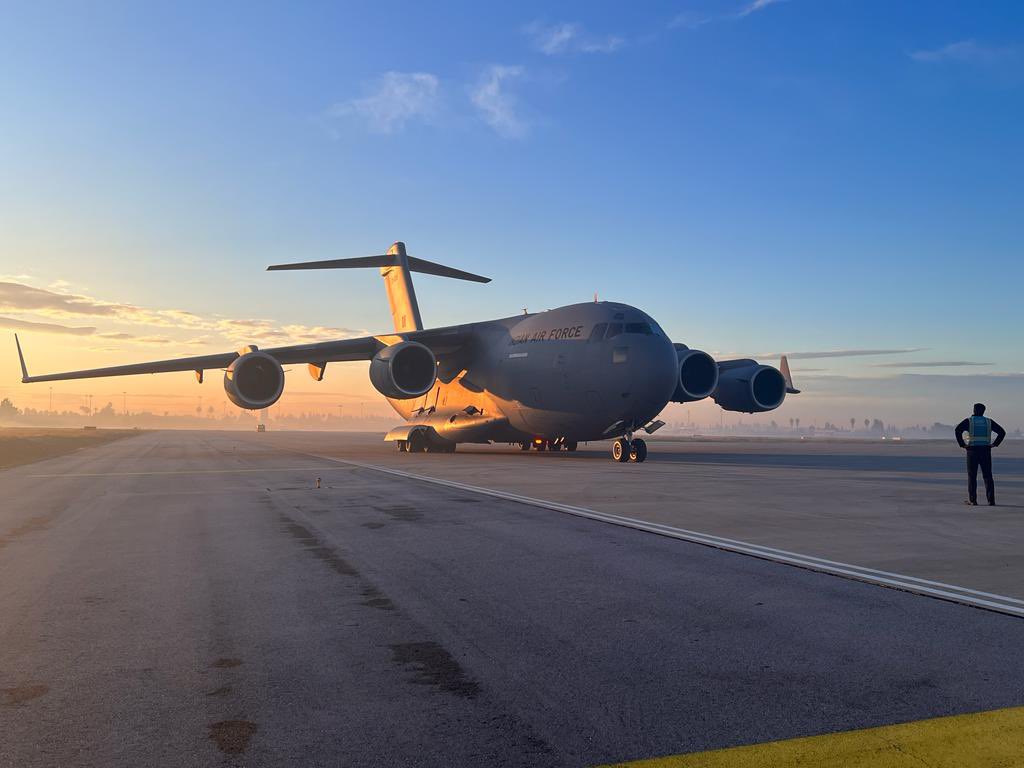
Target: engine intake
{"x": 749, "y": 387}
{"x": 404, "y": 370}
{"x": 698, "y": 376}
{"x": 254, "y": 380}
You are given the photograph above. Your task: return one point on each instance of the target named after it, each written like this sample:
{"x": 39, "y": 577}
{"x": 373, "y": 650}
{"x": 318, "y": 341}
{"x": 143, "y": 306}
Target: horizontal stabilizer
{"x": 385, "y": 260}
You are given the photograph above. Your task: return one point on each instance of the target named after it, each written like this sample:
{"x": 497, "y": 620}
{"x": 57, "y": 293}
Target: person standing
{"x": 979, "y": 445}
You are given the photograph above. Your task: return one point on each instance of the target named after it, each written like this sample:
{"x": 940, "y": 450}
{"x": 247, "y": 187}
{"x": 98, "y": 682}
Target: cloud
{"x": 498, "y": 107}
{"x": 929, "y": 364}
{"x": 29, "y": 325}
{"x": 694, "y": 19}
{"x": 689, "y": 20}
{"x": 397, "y": 98}
{"x": 839, "y": 353}
{"x": 755, "y": 6}
{"x": 965, "y": 50}
{"x": 563, "y": 38}
{"x": 267, "y": 331}
{"x": 19, "y": 298}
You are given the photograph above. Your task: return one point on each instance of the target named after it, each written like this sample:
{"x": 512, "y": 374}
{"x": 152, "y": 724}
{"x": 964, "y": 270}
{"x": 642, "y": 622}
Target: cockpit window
{"x": 614, "y": 329}
{"x": 598, "y": 333}
{"x": 644, "y": 328}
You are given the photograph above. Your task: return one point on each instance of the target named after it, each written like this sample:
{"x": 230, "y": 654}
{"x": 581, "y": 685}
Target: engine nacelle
{"x": 698, "y": 376}
{"x": 745, "y": 385}
{"x": 404, "y": 370}
{"x": 254, "y": 380}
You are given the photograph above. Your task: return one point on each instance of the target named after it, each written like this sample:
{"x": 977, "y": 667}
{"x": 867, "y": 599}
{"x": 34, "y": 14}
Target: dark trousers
{"x": 980, "y": 456}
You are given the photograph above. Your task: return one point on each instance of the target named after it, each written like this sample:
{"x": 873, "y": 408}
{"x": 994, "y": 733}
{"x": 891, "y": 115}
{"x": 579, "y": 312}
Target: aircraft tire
{"x": 542, "y": 446}
{"x": 570, "y": 446}
{"x": 524, "y": 446}
{"x": 554, "y": 446}
{"x": 403, "y": 446}
{"x": 417, "y": 443}
{"x": 638, "y": 452}
{"x": 620, "y": 450}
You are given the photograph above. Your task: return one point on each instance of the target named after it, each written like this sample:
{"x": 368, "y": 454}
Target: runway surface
{"x": 894, "y": 506}
{"x": 192, "y": 599}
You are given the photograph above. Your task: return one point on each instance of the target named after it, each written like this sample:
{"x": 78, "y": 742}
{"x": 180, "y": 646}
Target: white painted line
{"x": 185, "y": 472}
{"x": 938, "y": 589}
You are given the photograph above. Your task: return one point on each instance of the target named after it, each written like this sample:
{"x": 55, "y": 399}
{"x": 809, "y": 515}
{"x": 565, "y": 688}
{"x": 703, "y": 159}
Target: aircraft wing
{"x": 444, "y": 342}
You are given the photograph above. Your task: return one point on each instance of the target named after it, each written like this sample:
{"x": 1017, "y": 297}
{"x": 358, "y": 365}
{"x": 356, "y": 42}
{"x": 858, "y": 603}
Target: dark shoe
{"x": 971, "y": 503}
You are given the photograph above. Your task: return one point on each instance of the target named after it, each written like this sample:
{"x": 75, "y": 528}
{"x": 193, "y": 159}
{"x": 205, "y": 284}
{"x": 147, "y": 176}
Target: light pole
{"x": 51, "y": 400}
{"x": 124, "y": 402}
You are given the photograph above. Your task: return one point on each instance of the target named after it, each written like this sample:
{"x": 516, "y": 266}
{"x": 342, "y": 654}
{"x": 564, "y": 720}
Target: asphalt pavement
{"x": 193, "y": 599}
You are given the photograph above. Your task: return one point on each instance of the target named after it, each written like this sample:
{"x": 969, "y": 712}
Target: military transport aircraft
{"x": 548, "y": 380}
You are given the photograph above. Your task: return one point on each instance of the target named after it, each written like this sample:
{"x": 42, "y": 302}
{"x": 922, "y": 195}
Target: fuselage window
{"x": 598, "y": 333}
{"x": 614, "y": 329}
{"x": 643, "y": 328}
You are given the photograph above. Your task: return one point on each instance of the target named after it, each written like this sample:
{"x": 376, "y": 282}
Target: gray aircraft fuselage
{"x": 548, "y": 375}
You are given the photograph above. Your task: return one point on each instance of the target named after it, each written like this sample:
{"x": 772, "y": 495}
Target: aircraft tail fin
{"x": 396, "y": 267}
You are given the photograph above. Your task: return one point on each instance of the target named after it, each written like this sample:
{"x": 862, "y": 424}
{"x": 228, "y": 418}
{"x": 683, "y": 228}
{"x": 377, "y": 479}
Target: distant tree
{"x": 209, "y": 411}
{"x": 877, "y": 426}
{"x": 797, "y": 422}
{"x": 853, "y": 424}
{"x": 867, "y": 424}
{"x": 790, "y": 422}
{"x": 84, "y": 409}
{"x": 106, "y": 412}
{"x": 7, "y": 409}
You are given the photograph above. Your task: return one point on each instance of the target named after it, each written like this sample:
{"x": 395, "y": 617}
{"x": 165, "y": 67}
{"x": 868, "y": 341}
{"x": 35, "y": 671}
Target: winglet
{"x": 784, "y": 368}
{"x": 21, "y": 358}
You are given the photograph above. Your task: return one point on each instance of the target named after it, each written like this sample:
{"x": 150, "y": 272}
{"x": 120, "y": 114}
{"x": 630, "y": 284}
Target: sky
{"x": 836, "y": 179}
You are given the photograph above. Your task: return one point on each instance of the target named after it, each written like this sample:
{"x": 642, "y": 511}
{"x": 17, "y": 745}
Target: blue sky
{"x": 796, "y": 175}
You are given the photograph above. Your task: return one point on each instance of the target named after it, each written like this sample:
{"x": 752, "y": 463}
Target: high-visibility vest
{"x": 979, "y": 431}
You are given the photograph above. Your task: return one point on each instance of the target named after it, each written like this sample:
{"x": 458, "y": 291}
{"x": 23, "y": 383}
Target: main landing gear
{"x": 624, "y": 450}
{"x": 419, "y": 442}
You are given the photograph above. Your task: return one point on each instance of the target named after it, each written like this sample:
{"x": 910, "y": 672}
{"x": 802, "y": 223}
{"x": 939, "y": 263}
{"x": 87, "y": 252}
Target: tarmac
{"x": 192, "y": 598}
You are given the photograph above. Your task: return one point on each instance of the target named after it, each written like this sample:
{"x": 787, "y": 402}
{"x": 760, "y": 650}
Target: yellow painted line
{"x": 193, "y": 472}
{"x": 992, "y": 739}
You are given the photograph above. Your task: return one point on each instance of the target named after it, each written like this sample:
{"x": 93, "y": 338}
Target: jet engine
{"x": 404, "y": 370}
{"x": 254, "y": 380}
{"x": 745, "y": 385}
{"x": 698, "y": 376}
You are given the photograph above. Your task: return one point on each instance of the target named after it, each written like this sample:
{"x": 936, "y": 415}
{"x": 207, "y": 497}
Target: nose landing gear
{"x": 624, "y": 450}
